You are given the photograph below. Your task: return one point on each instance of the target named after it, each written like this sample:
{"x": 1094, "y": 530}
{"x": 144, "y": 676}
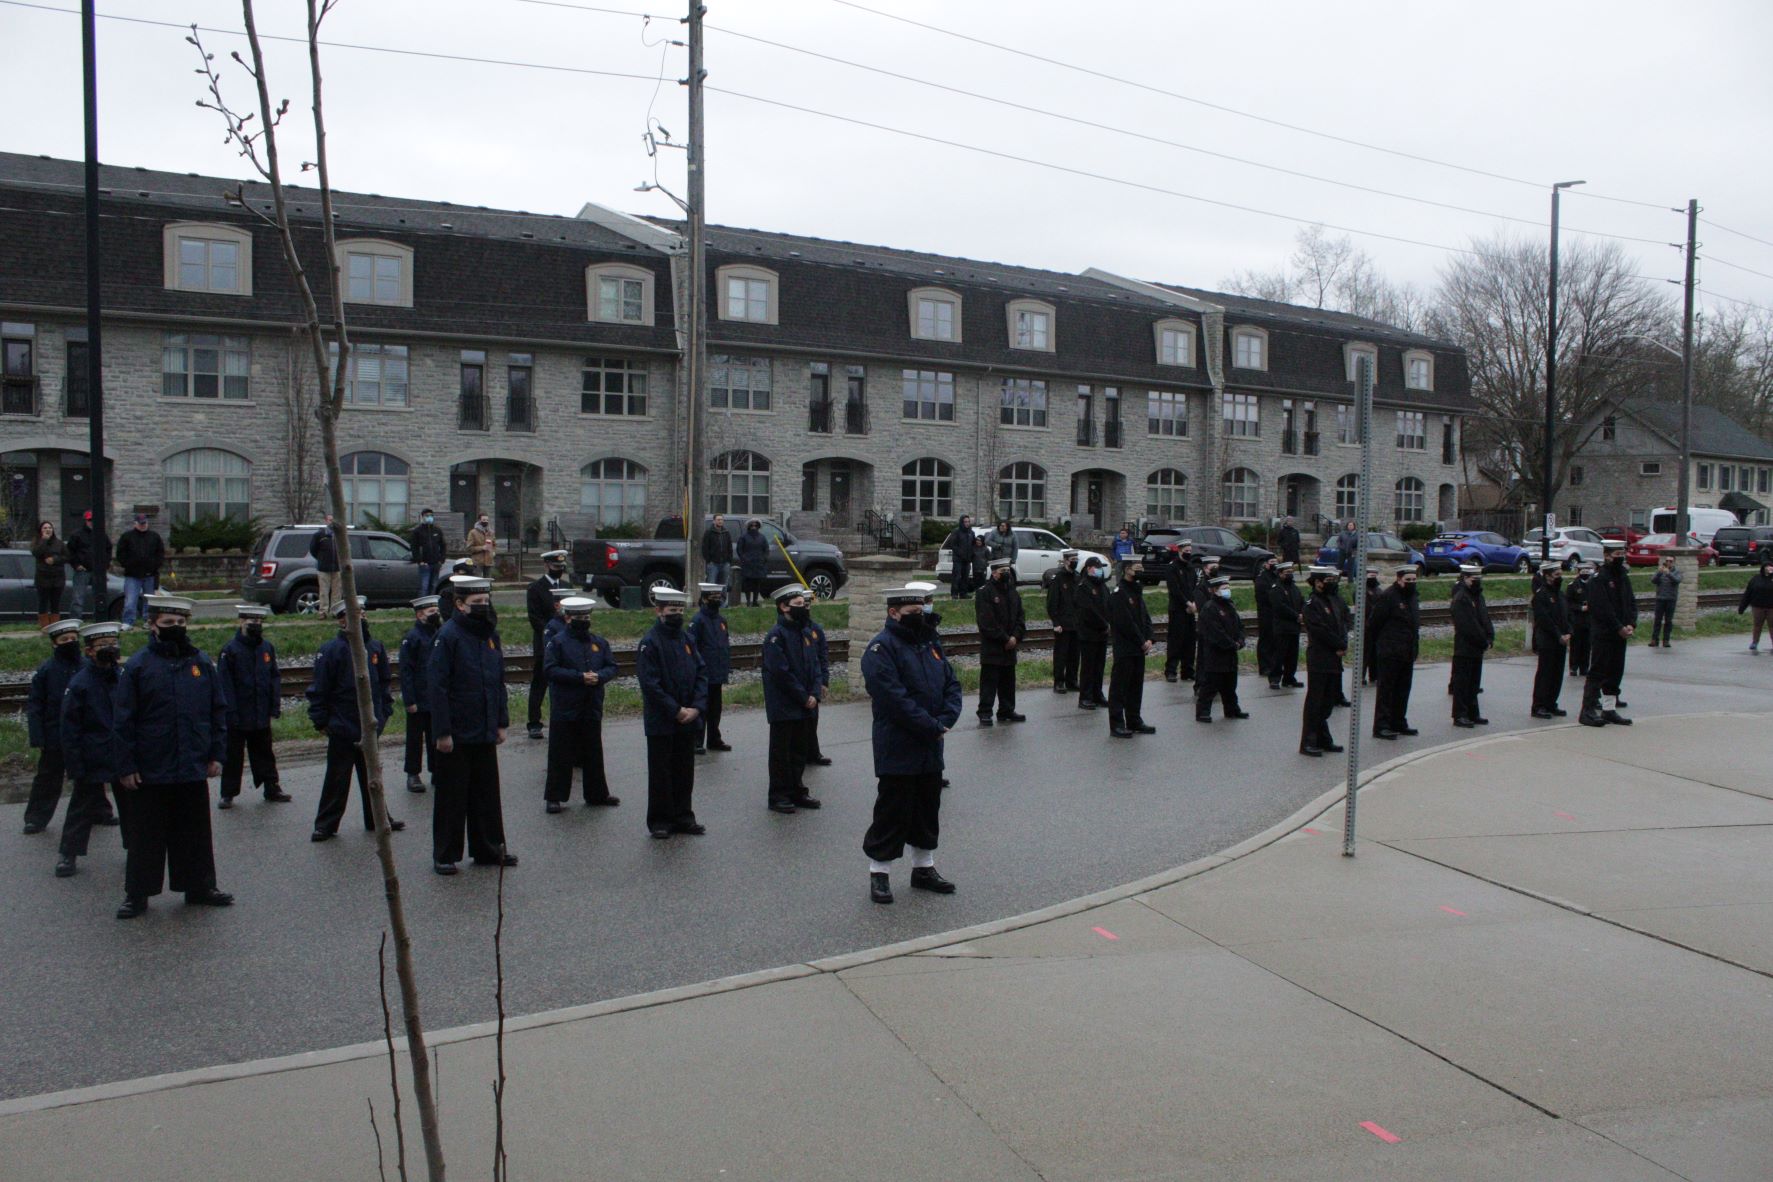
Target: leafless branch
{"x": 381, "y": 1166}
{"x": 393, "y": 1073}
{"x": 499, "y": 1160}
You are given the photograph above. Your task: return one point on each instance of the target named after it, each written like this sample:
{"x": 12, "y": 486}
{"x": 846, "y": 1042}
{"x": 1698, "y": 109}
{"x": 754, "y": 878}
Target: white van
{"x": 1705, "y": 522}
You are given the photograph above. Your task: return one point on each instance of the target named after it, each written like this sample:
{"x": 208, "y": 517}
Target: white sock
{"x": 879, "y": 867}
{"x": 922, "y": 859}
{"x": 1609, "y": 702}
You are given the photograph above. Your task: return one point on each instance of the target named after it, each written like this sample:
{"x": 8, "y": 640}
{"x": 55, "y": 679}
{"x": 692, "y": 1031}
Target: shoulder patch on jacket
{"x": 874, "y": 648}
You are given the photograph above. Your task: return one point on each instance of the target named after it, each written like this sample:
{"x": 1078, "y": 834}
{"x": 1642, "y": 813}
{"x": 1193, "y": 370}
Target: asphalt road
{"x": 1039, "y": 813}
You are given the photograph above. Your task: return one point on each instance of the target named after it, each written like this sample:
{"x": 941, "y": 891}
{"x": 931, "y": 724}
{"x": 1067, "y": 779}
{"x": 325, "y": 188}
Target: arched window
{"x": 1347, "y": 490}
{"x": 613, "y": 491}
{"x": 1240, "y": 499}
{"x": 926, "y": 486}
{"x": 739, "y": 484}
{"x": 1409, "y": 501}
{"x": 375, "y": 486}
{"x": 1022, "y": 492}
{"x": 208, "y": 482}
{"x": 1166, "y": 495}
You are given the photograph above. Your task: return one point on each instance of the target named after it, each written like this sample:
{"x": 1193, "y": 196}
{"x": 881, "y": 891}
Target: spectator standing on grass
{"x": 140, "y": 551}
{"x": 323, "y": 548}
{"x": 428, "y": 551}
{"x": 1759, "y": 596}
{"x": 89, "y": 555}
{"x": 51, "y": 554}
{"x": 1667, "y": 581}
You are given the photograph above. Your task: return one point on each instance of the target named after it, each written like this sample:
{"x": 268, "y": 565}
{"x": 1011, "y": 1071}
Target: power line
{"x": 1738, "y": 233}
{"x": 1732, "y": 299}
{"x": 1712, "y": 258}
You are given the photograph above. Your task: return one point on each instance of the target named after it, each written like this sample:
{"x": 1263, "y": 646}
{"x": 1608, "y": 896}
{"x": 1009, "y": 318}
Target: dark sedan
{"x": 1237, "y": 558}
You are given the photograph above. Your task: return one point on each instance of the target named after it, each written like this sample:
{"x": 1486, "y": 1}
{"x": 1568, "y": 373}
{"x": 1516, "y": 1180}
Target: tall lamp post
{"x": 1551, "y": 378}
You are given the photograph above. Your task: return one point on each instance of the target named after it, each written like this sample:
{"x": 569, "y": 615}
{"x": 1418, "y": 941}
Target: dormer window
{"x": 1419, "y": 370}
{"x": 1031, "y": 325}
{"x": 1351, "y": 358}
{"x": 935, "y": 314}
{"x": 376, "y": 272}
{"x": 1249, "y": 348}
{"x": 616, "y": 293}
{"x": 1175, "y": 343}
{"x": 207, "y": 257}
{"x": 746, "y": 293}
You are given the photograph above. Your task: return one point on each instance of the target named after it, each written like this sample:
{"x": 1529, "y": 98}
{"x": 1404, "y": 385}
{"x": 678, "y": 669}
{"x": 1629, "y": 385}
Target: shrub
{"x": 936, "y": 531}
{"x": 1417, "y": 531}
{"x": 404, "y": 530}
{"x": 627, "y": 529}
{"x": 1253, "y": 532}
{"x": 215, "y": 533}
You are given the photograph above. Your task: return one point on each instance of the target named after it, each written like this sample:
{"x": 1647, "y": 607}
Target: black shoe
{"x": 691, "y": 828}
{"x": 415, "y": 783}
{"x": 1385, "y": 734}
{"x": 321, "y": 835}
{"x": 1621, "y": 703}
{"x": 1344, "y": 703}
{"x": 1557, "y": 713}
{"x": 64, "y": 866}
{"x": 497, "y": 860}
{"x": 1012, "y": 717}
{"x": 226, "y": 802}
{"x": 535, "y": 731}
{"x": 701, "y": 751}
{"x": 554, "y": 806}
{"x": 1237, "y": 714}
{"x": 1144, "y": 728}
{"x": 1120, "y": 732}
{"x": 782, "y": 805}
{"x": 880, "y": 889}
{"x": 444, "y": 868}
{"x": 109, "y": 820}
{"x": 1464, "y": 724}
{"x": 925, "y": 878}
{"x": 1203, "y": 718}
{"x": 209, "y": 897}
{"x": 1295, "y": 683}
{"x": 1542, "y": 712}
{"x": 132, "y": 906}
{"x": 718, "y": 745}
{"x": 1592, "y": 718}
{"x": 1170, "y": 677}
{"x": 1273, "y": 684}
{"x": 1333, "y": 748}
{"x": 1314, "y": 752}
{"x": 1616, "y": 718}
{"x": 1089, "y": 706}
{"x": 985, "y": 720}
{"x": 821, "y": 761}
{"x": 1480, "y": 720}
{"x": 603, "y": 802}
{"x": 276, "y": 795}
{"x": 658, "y": 834}
{"x": 394, "y": 826}
{"x": 945, "y": 781}
{"x": 1059, "y": 689}
{"x": 1408, "y": 730}
{"x": 806, "y": 802}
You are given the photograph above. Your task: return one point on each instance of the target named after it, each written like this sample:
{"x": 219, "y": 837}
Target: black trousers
{"x": 1126, "y": 692}
{"x": 467, "y": 798}
{"x": 1065, "y": 659}
{"x": 245, "y": 745}
{"x": 1264, "y": 644}
{"x": 997, "y": 683}
{"x": 46, "y": 786}
{"x": 1391, "y": 708}
{"x": 753, "y": 589}
{"x": 813, "y": 751}
{"x": 169, "y": 841}
{"x": 421, "y": 744}
{"x": 343, "y": 757}
{"x": 87, "y": 806}
{"x": 788, "y": 754}
{"x": 1468, "y": 676}
{"x": 1320, "y": 699}
{"x": 1179, "y": 650}
{"x": 1283, "y": 661}
{"x": 575, "y": 745}
{"x": 907, "y": 811}
{"x": 1662, "y": 626}
{"x": 670, "y": 779}
{"x": 49, "y": 601}
{"x": 1606, "y": 670}
{"x": 1092, "y": 659}
{"x": 1222, "y": 685}
{"x": 710, "y": 720}
{"x": 538, "y": 678}
{"x": 1580, "y": 648}
{"x": 1548, "y": 677}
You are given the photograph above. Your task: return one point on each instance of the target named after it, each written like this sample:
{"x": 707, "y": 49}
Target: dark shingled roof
{"x": 1714, "y": 432}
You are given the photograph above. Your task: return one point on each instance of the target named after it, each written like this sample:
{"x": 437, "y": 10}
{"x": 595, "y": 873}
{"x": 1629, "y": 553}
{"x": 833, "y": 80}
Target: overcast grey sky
{"x": 1648, "y": 101}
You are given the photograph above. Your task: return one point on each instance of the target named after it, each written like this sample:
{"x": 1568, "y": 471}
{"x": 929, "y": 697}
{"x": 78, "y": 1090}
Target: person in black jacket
{"x": 1613, "y": 614}
{"x": 323, "y": 548}
{"x": 89, "y": 742}
{"x": 580, "y": 665}
{"x": 1286, "y": 607}
{"x": 415, "y": 657}
{"x": 540, "y": 603}
{"x": 1002, "y": 624}
{"x": 89, "y": 556}
{"x": 140, "y": 551}
{"x": 1221, "y": 638}
{"x": 1092, "y": 632}
{"x": 1286, "y": 540}
{"x": 43, "y": 722}
{"x": 1062, "y": 612}
{"x": 332, "y": 708}
{"x": 1551, "y": 640}
{"x": 753, "y": 553}
{"x": 717, "y": 551}
{"x": 1326, "y": 644}
{"x": 1264, "y": 595}
{"x": 708, "y": 631}
{"x": 1576, "y": 608}
{"x": 1758, "y": 594}
{"x": 1180, "y": 582}
{"x": 1395, "y": 628}
{"x": 247, "y": 666}
{"x": 791, "y": 693}
{"x": 470, "y": 715}
{"x": 961, "y": 544}
{"x": 673, "y": 694}
{"x": 1130, "y": 624}
{"x": 1472, "y": 635}
{"x": 429, "y": 549}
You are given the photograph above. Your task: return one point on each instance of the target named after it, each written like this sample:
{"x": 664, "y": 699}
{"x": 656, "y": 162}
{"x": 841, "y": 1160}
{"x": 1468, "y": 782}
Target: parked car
{"x": 18, "y": 589}
{"x": 1490, "y": 550}
{"x": 1742, "y": 544}
{"x": 283, "y": 576}
{"x": 1647, "y": 551}
{"x": 1037, "y": 553}
{"x": 1237, "y": 558}
{"x": 1570, "y": 544}
{"x": 1629, "y": 533}
{"x": 607, "y": 565}
{"x": 1701, "y": 520}
{"x": 1378, "y": 540}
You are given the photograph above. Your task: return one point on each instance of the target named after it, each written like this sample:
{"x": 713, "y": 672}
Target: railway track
{"x": 518, "y": 668}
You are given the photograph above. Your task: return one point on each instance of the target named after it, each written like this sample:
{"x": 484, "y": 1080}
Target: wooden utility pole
{"x": 99, "y": 485}
{"x": 696, "y": 339}
{"x": 1682, "y": 523}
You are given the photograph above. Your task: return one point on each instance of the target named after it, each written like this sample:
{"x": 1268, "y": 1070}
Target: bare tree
{"x": 254, "y": 133}
{"x": 1330, "y": 272}
{"x": 298, "y": 393}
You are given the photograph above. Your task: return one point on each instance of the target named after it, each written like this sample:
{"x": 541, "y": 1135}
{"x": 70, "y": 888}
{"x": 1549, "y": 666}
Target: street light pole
{"x": 1683, "y": 526}
{"x": 1551, "y": 379}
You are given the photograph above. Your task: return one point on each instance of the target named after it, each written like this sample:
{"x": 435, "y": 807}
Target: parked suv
{"x": 1037, "y": 553}
{"x": 18, "y": 589}
{"x": 1237, "y": 558}
{"x": 1742, "y": 544}
{"x": 283, "y": 576}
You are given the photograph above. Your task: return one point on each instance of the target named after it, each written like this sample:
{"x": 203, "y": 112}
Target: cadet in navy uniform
{"x": 43, "y": 721}
{"x": 172, "y": 731}
{"x": 673, "y": 694}
{"x": 1613, "y": 616}
{"x": 915, "y": 698}
{"x": 1576, "y": 606}
{"x": 1002, "y": 624}
{"x": 1092, "y": 633}
{"x": 791, "y": 692}
{"x": 1396, "y": 627}
{"x": 1286, "y": 616}
{"x": 1221, "y": 638}
{"x": 579, "y": 664}
{"x": 1326, "y": 643}
{"x": 539, "y": 604}
{"x": 1180, "y": 580}
{"x": 1472, "y": 635}
{"x": 1204, "y": 597}
{"x": 1551, "y": 641}
{"x": 465, "y": 686}
{"x": 1062, "y": 611}
{"x": 822, "y": 651}
{"x": 415, "y": 656}
{"x": 247, "y": 665}
{"x": 1130, "y": 622}
{"x": 709, "y": 633}
{"x": 89, "y": 740}
{"x": 332, "y": 708}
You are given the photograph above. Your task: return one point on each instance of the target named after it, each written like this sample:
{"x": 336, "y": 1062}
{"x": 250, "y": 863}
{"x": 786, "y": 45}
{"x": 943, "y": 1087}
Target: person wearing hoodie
{"x": 89, "y": 742}
{"x": 753, "y": 553}
{"x": 1667, "y": 581}
{"x": 1759, "y": 596}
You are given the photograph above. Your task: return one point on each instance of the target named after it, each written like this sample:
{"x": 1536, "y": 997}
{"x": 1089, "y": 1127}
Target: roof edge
{"x": 1152, "y": 291}
{"x": 631, "y": 227}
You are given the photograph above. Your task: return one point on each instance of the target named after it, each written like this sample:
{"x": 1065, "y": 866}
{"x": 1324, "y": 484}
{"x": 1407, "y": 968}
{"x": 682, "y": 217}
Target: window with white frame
{"x": 1412, "y": 430}
{"x": 1419, "y": 370}
{"x": 1574, "y": 514}
{"x": 1249, "y": 348}
{"x": 926, "y": 486}
{"x": 1725, "y": 484}
{"x": 376, "y": 375}
{"x": 1408, "y": 505}
{"x": 376, "y": 272}
{"x": 618, "y": 293}
{"x": 1576, "y": 475}
{"x": 1031, "y": 325}
{"x": 1240, "y": 488}
{"x": 1175, "y": 342}
{"x": 1609, "y": 428}
{"x": 205, "y": 365}
{"x": 1166, "y": 495}
{"x": 1347, "y": 493}
{"x": 738, "y": 383}
{"x": 739, "y": 483}
{"x": 207, "y": 257}
{"x": 1704, "y": 480}
{"x": 207, "y": 482}
{"x": 1745, "y": 478}
{"x": 613, "y": 491}
{"x": 1242, "y": 415}
{"x": 376, "y": 485}
{"x": 746, "y": 293}
{"x": 1346, "y": 431}
{"x": 1761, "y": 481}
{"x": 1166, "y": 413}
{"x": 928, "y": 395}
{"x": 1022, "y": 492}
{"x": 1023, "y": 403}
{"x": 1653, "y": 468}
{"x": 18, "y": 369}
{"x": 1352, "y": 354}
{"x": 613, "y": 386}
{"x": 935, "y": 314}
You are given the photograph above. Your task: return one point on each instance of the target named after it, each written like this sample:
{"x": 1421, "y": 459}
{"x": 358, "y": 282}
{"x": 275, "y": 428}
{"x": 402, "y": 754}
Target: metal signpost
{"x": 1363, "y": 505}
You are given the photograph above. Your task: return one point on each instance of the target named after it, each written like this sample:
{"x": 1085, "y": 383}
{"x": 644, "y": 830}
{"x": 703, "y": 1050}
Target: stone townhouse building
{"x": 528, "y": 366}
{"x": 1630, "y": 463}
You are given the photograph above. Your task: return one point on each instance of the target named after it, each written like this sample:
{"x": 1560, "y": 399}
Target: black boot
{"x": 880, "y": 889}
{"x": 132, "y": 906}
{"x": 925, "y": 878}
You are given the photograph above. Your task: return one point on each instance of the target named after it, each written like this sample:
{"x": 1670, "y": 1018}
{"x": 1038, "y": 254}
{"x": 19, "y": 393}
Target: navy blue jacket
{"x": 915, "y": 696}
{"x": 790, "y": 673}
{"x": 671, "y": 676}
{"x": 708, "y": 630}
{"x": 332, "y": 695}
{"x": 465, "y": 682}
{"x": 250, "y": 679}
{"x": 172, "y": 721}
{"x": 415, "y": 661}
{"x": 43, "y": 708}
{"x": 822, "y": 650}
{"x": 754, "y": 555}
{"x": 89, "y": 725}
{"x": 567, "y": 659}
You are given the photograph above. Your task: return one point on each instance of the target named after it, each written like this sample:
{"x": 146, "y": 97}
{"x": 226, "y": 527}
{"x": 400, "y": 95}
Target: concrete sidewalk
{"x": 1550, "y": 960}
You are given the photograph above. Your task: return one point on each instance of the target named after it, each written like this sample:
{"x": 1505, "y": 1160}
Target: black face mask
{"x": 171, "y": 634}
{"x": 800, "y": 615}
{"x": 67, "y": 652}
{"x": 711, "y": 606}
{"x": 580, "y": 628}
{"x": 673, "y": 621}
{"x": 1409, "y": 589}
{"x": 108, "y": 656}
{"x": 433, "y": 621}
{"x": 482, "y": 611}
{"x": 254, "y": 631}
{"x": 555, "y": 570}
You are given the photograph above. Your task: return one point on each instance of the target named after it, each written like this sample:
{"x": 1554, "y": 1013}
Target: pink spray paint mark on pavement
{"x": 1384, "y": 1135}
{"x": 1452, "y": 910}
{"x": 1105, "y": 933}
{"x": 1564, "y": 816}
{"x": 1314, "y": 832}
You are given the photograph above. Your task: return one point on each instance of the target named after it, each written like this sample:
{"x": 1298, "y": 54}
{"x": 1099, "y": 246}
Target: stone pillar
{"x": 1686, "y": 616}
{"x": 870, "y": 576}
